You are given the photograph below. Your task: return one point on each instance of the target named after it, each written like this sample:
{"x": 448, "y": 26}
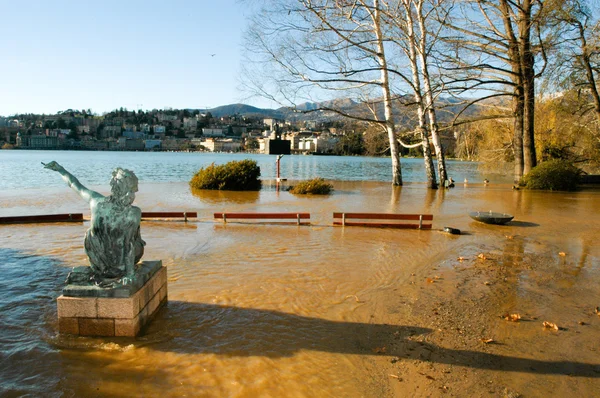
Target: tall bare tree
{"x": 418, "y": 33}
{"x": 496, "y": 44}
{"x": 306, "y": 48}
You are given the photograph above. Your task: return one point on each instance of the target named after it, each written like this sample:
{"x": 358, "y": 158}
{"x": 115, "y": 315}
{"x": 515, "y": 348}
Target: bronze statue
{"x": 113, "y": 243}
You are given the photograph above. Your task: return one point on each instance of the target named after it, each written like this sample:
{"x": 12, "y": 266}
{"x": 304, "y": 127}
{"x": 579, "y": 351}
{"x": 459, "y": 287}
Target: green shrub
{"x": 316, "y": 186}
{"x": 240, "y": 175}
{"x": 554, "y": 175}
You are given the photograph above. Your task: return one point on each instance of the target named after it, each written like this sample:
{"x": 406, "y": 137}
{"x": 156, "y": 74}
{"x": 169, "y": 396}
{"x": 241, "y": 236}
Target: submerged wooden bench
{"x": 169, "y": 214}
{"x": 264, "y": 216}
{"x": 389, "y": 220}
{"x": 43, "y": 218}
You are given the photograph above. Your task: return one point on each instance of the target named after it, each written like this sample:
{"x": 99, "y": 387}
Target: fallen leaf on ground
{"x": 597, "y": 310}
{"x": 582, "y": 323}
{"x": 487, "y": 283}
{"x": 509, "y": 236}
{"x": 512, "y": 317}
{"x": 461, "y": 259}
{"x": 427, "y": 376}
{"x": 429, "y": 280}
{"x": 352, "y": 295}
{"x": 550, "y": 325}
{"x": 481, "y": 256}
{"x": 562, "y": 254}
{"x": 379, "y": 350}
{"x": 487, "y": 341}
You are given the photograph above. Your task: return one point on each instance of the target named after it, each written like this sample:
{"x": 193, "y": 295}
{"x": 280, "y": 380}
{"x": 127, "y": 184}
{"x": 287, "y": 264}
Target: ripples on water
{"x": 28, "y": 290}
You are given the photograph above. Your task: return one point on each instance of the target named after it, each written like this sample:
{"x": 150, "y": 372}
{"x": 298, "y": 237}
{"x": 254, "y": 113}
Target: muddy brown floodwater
{"x": 321, "y": 311}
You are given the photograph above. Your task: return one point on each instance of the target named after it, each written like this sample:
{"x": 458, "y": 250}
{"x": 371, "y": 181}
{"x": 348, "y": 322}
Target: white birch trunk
{"x": 428, "y": 94}
{"x": 387, "y": 97}
{"x": 412, "y": 56}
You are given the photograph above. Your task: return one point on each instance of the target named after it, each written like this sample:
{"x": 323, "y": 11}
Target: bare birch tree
{"x": 417, "y": 37}
{"x": 306, "y": 47}
{"x": 342, "y": 46}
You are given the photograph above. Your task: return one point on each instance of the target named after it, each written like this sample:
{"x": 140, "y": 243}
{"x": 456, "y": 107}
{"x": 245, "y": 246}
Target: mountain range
{"x": 317, "y": 111}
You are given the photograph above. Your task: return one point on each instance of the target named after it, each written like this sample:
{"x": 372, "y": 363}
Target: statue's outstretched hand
{"x": 53, "y": 166}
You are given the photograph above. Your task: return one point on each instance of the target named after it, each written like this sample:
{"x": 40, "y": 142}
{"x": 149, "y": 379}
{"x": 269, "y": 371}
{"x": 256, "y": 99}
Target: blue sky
{"x": 105, "y": 54}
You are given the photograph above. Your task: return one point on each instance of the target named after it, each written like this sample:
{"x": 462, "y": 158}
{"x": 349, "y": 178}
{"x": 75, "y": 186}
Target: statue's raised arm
{"x": 73, "y": 182}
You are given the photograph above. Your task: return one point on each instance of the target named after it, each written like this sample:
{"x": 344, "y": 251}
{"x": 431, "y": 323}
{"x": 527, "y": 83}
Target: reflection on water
{"x": 217, "y": 197}
{"x": 281, "y": 310}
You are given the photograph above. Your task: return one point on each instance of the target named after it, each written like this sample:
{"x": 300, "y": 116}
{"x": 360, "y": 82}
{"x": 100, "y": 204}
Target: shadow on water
{"x": 29, "y": 286}
{"x": 525, "y": 224}
{"x": 522, "y": 224}
{"x": 184, "y": 327}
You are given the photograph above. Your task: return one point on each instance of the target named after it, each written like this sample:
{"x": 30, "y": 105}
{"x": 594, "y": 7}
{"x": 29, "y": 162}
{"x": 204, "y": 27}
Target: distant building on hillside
{"x": 152, "y": 144}
{"x": 224, "y": 145}
{"x": 159, "y": 129}
{"x": 214, "y": 131}
{"x": 134, "y": 135}
{"x": 272, "y": 123}
{"x": 111, "y": 132}
{"x": 43, "y": 142}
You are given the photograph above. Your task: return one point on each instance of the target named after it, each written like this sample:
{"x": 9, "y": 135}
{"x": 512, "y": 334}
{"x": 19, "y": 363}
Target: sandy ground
{"x": 512, "y": 313}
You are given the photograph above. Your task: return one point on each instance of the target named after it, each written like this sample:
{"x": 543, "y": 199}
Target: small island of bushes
{"x": 242, "y": 175}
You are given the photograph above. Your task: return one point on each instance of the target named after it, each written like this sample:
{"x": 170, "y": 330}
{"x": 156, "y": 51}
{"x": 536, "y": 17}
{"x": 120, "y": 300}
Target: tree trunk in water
{"x": 518, "y": 137}
{"x": 429, "y": 105}
{"x": 429, "y": 169}
{"x": 527, "y": 69}
{"x": 529, "y": 156}
{"x": 412, "y": 56}
{"x": 387, "y": 99}
{"x": 515, "y": 60}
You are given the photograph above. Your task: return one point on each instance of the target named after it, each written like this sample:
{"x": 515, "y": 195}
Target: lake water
{"x": 23, "y": 169}
{"x": 274, "y": 310}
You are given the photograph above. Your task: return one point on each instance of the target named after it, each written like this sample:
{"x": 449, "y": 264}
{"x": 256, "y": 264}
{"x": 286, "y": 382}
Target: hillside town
{"x": 161, "y": 130}
{"x": 179, "y": 130}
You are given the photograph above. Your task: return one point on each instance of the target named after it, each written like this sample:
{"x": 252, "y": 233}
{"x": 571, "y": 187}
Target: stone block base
{"x": 100, "y": 316}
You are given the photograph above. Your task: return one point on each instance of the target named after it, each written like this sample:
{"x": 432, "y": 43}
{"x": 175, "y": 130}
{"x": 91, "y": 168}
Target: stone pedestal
{"x": 106, "y": 312}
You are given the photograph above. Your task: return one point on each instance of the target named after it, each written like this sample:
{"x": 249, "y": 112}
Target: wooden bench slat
{"x": 396, "y": 220}
{"x": 387, "y": 225}
{"x": 383, "y": 216}
{"x": 169, "y": 214}
{"x": 255, "y": 216}
{"x": 42, "y": 218}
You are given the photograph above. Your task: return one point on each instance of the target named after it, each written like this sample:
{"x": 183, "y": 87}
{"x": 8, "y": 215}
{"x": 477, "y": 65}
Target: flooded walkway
{"x": 306, "y": 311}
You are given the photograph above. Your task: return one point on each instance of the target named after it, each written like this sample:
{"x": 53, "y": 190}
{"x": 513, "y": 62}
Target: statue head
{"x": 124, "y": 185}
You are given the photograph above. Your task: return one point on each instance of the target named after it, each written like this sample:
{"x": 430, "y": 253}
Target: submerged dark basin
{"x": 490, "y": 217}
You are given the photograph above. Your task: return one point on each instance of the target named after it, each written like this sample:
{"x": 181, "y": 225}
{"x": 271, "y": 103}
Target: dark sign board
{"x": 278, "y": 147}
